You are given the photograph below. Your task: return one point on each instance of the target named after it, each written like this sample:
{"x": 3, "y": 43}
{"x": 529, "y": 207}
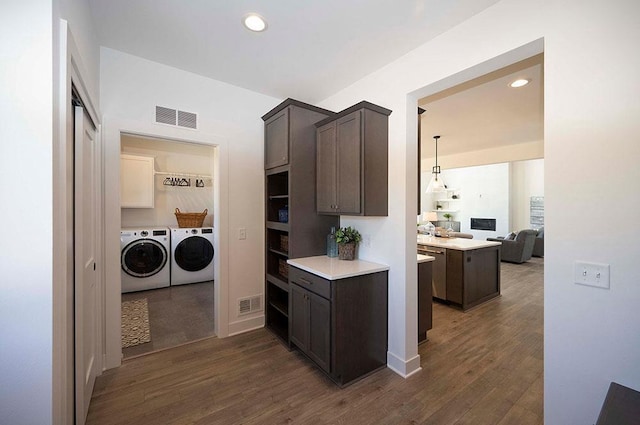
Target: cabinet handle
{"x": 303, "y": 280}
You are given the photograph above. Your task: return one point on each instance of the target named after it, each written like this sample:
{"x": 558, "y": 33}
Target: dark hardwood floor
{"x": 480, "y": 367}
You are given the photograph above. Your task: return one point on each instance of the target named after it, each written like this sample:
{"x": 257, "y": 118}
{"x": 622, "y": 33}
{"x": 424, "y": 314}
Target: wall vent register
{"x": 175, "y": 117}
{"x": 249, "y": 305}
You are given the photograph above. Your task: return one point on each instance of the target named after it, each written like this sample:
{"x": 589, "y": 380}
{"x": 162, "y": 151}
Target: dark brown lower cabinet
{"x": 473, "y": 276}
{"x": 341, "y": 325}
{"x": 425, "y": 300}
{"x": 310, "y": 330}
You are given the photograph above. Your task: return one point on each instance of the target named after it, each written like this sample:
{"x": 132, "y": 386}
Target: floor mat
{"x": 135, "y": 323}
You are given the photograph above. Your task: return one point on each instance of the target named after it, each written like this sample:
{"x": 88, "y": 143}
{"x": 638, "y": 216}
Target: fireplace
{"x": 483, "y": 224}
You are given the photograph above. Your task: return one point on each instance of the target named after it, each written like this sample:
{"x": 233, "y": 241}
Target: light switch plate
{"x": 242, "y": 233}
{"x": 591, "y": 274}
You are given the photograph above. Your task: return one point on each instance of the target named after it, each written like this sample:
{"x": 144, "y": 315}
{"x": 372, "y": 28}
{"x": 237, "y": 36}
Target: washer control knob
{"x": 144, "y": 233}
{"x": 194, "y": 231}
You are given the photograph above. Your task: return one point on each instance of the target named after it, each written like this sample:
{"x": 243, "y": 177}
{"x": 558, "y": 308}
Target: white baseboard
{"x": 404, "y": 368}
{"x": 246, "y": 325}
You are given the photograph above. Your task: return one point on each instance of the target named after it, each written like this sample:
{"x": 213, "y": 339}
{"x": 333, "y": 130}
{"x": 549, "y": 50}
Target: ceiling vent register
{"x": 175, "y": 117}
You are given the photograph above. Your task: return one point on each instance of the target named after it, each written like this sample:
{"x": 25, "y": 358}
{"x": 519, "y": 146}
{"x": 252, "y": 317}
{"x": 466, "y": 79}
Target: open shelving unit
{"x": 277, "y": 253}
{"x": 446, "y": 201}
{"x": 290, "y": 169}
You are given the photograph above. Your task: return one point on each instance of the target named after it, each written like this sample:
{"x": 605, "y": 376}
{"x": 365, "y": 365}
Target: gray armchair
{"x": 538, "y": 246}
{"x": 519, "y": 249}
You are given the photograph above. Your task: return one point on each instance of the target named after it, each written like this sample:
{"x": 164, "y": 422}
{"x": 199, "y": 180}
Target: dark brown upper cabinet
{"x": 352, "y": 162}
{"x": 276, "y": 137}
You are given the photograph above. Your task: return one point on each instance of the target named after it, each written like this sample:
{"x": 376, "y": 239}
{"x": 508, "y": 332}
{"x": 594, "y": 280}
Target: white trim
{"x": 113, "y": 129}
{"x": 69, "y": 70}
{"x": 404, "y": 368}
{"x": 246, "y": 325}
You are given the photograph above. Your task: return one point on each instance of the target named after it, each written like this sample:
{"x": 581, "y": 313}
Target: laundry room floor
{"x": 177, "y": 315}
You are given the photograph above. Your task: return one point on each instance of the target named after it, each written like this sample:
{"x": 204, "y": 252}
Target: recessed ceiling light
{"x": 519, "y": 83}
{"x": 254, "y": 22}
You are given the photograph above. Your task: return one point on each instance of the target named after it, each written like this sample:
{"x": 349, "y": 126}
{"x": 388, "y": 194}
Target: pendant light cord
{"x": 436, "y": 170}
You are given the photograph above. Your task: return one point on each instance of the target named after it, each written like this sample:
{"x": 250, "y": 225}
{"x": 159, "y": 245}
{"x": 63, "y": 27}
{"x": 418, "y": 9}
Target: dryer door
{"x": 193, "y": 253}
{"x": 143, "y": 258}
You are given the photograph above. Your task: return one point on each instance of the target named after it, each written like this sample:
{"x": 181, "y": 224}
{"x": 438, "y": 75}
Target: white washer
{"x": 144, "y": 258}
{"x": 191, "y": 255}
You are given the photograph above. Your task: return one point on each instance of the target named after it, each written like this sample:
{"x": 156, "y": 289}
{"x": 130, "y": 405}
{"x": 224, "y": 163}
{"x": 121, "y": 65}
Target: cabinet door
{"x": 319, "y": 349}
{"x": 136, "y": 181}
{"x": 348, "y": 135}
{"x": 326, "y": 168}
{"x": 276, "y": 140}
{"x": 299, "y": 317}
{"x": 425, "y": 300}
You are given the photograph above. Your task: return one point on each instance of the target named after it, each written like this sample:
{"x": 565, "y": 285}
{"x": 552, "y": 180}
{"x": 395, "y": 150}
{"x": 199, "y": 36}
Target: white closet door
{"x": 85, "y": 280}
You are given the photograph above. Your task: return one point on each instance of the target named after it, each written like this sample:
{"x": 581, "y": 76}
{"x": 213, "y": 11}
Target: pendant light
{"x": 436, "y": 184}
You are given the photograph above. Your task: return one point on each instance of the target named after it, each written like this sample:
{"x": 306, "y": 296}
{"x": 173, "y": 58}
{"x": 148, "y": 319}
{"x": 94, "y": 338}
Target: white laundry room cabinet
{"x": 136, "y": 181}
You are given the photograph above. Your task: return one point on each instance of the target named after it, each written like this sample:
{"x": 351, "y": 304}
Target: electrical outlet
{"x": 366, "y": 240}
{"x": 591, "y": 274}
{"x": 242, "y": 233}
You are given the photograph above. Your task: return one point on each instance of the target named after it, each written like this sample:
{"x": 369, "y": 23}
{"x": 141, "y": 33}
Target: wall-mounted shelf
{"x": 178, "y": 174}
{"x": 183, "y": 179}
{"x": 444, "y": 198}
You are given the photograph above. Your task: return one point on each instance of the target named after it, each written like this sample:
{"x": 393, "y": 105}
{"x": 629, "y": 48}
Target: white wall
{"x": 511, "y": 187}
{"x": 591, "y": 91}
{"x": 78, "y": 16}
{"x": 484, "y": 193}
{"x": 229, "y": 117}
{"x": 173, "y": 157}
{"x": 26, "y": 263}
{"x": 527, "y": 180}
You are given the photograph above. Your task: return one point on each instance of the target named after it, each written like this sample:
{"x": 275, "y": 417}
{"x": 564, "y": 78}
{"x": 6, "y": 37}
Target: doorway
{"x": 164, "y": 302}
{"x": 490, "y": 156}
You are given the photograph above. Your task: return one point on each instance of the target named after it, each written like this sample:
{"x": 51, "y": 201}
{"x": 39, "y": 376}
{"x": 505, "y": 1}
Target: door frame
{"x": 82, "y": 315}
{"x": 113, "y": 129}
{"x": 69, "y": 72}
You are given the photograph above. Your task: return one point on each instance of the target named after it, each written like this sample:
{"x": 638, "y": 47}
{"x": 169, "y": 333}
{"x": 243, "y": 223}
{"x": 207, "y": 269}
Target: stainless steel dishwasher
{"x": 439, "y": 269}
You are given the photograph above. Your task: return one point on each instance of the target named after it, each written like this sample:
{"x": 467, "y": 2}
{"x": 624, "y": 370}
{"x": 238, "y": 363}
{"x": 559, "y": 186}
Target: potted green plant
{"x": 448, "y": 216}
{"x": 347, "y": 239}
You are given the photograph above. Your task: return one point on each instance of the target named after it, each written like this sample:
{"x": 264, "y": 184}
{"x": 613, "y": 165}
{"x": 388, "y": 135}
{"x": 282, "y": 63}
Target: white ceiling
{"x": 486, "y": 113}
{"x": 311, "y": 50}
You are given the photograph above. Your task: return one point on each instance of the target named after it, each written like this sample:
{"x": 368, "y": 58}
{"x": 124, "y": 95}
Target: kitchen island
{"x": 466, "y": 272}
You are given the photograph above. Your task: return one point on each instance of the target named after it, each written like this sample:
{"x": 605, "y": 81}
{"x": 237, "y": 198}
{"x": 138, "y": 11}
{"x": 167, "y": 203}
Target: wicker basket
{"x": 190, "y": 219}
{"x": 283, "y": 268}
{"x": 284, "y": 243}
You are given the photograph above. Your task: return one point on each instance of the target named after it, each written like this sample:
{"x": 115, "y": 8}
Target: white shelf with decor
{"x": 446, "y": 201}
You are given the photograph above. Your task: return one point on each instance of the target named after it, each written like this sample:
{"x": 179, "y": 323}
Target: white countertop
{"x": 425, "y": 258}
{"x": 333, "y": 269}
{"x": 461, "y": 244}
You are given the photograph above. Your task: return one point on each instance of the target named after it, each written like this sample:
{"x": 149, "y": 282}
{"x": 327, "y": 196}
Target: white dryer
{"x": 191, "y": 255}
{"x": 144, "y": 258}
